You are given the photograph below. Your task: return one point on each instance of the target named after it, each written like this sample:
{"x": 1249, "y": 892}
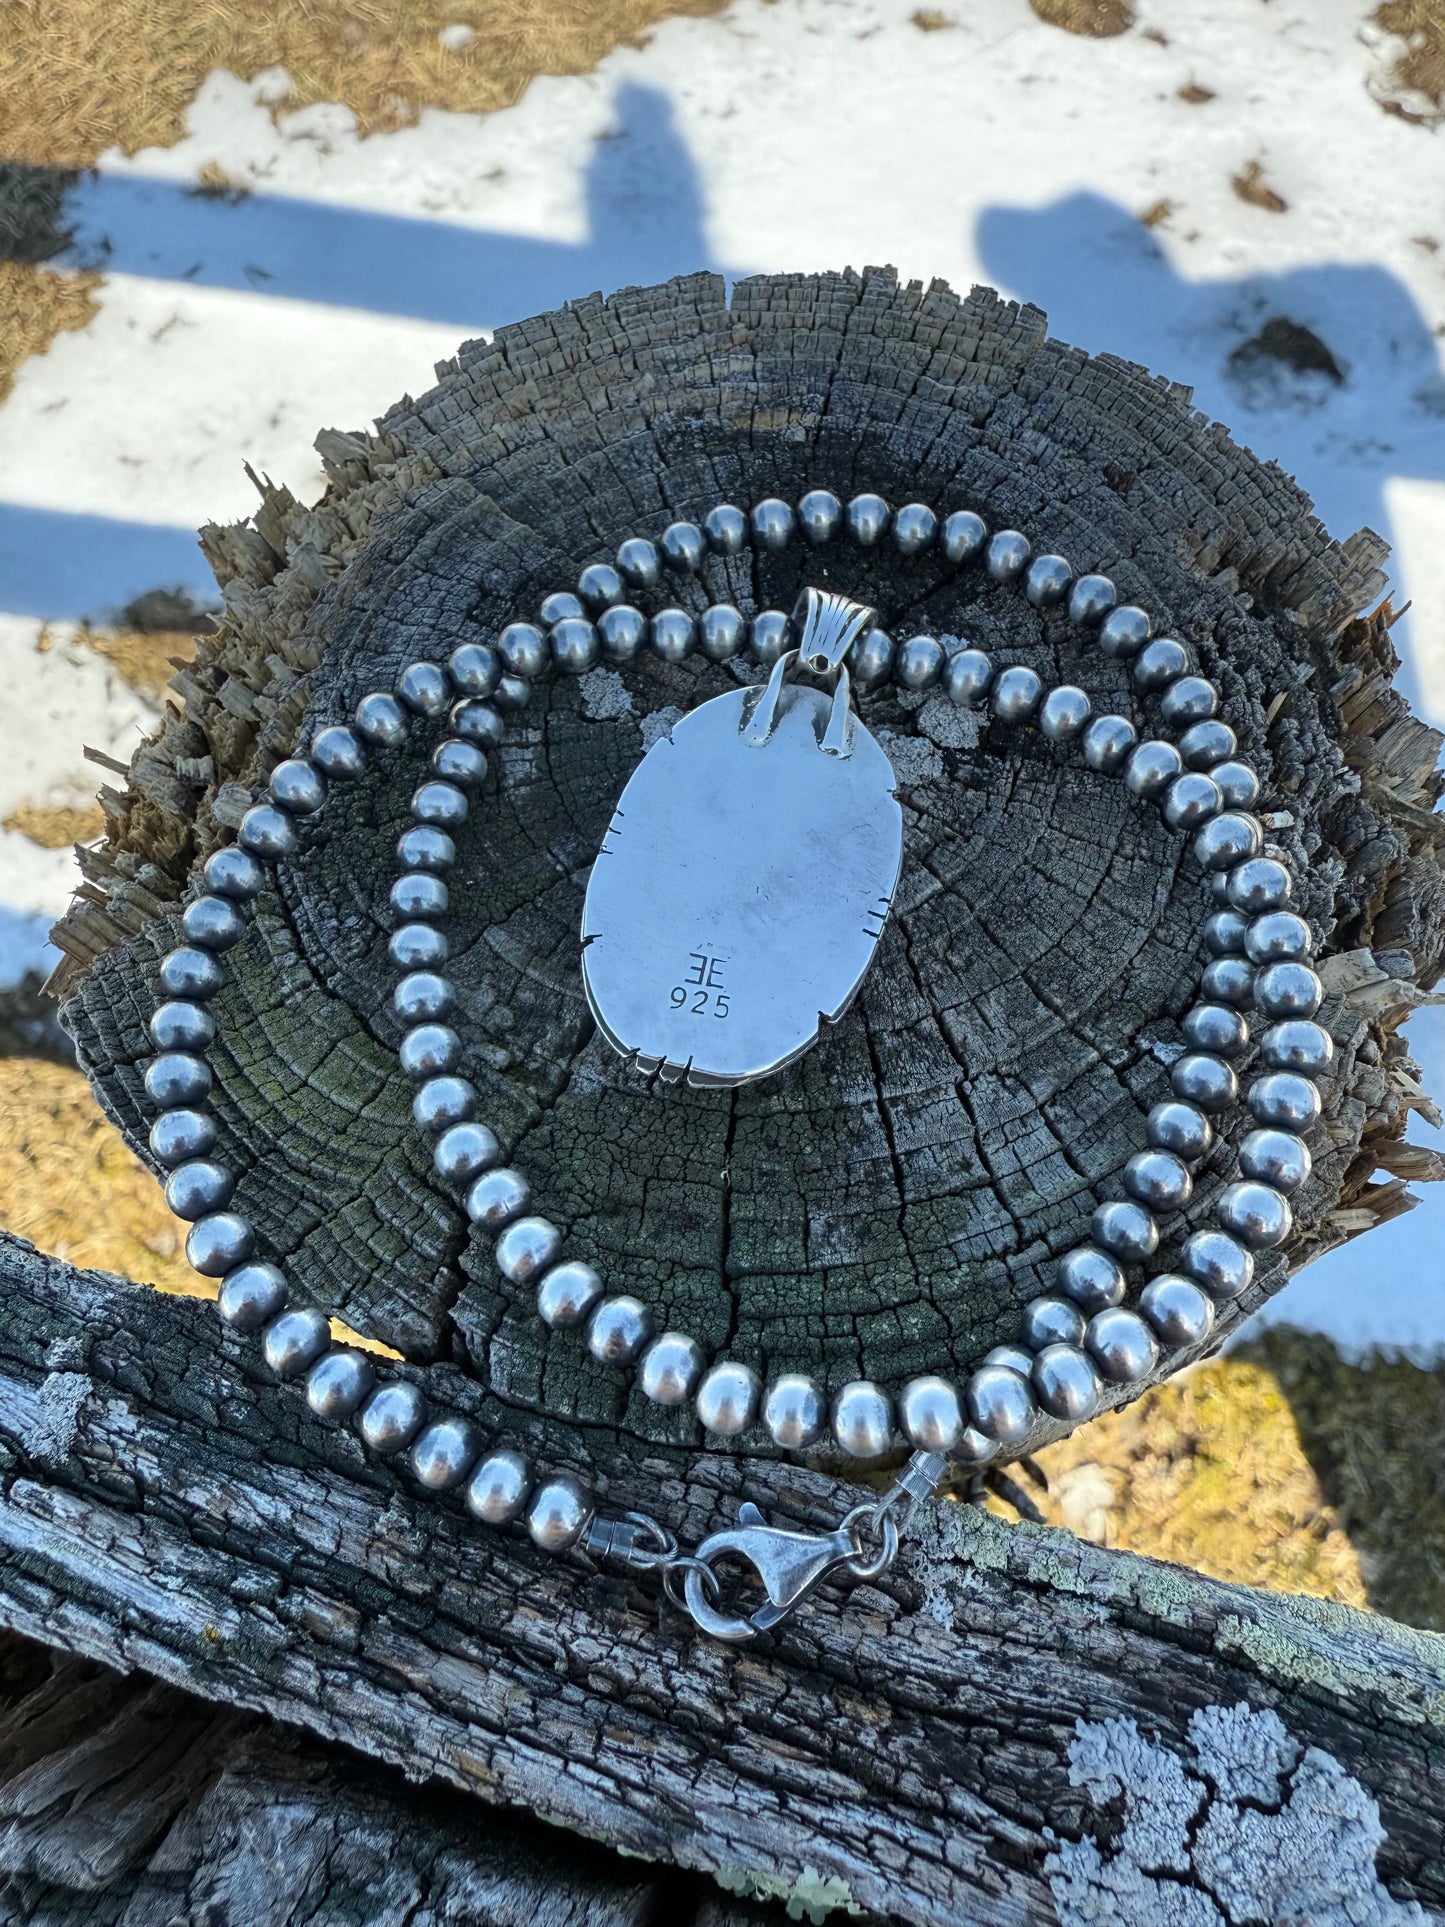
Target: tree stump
{"x": 884, "y": 1208}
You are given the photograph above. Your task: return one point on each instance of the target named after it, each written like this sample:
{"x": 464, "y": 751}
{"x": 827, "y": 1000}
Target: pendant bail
{"x": 827, "y": 625}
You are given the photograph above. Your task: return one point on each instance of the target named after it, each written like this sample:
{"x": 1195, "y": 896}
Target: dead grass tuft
{"x": 1251, "y": 186}
{"x": 929, "y": 20}
{"x": 145, "y": 661}
{"x": 37, "y": 304}
{"x": 80, "y": 76}
{"x": 1097, "y": 19}
{"x": 56, "y": 826}
{"x": 1421, "y": 25}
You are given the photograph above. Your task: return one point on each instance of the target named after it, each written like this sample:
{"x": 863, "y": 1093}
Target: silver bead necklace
{"x": 807, "y": 742}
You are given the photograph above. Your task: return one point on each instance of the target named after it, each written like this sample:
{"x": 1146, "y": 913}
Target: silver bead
{"x": 234, "y": 873}
{"x": 478, "y": 722}
{"x": 215, "y": 923}
{"x": 498, "y": 1488}
{"x": 381, "y": 720}
{"x": 915, "y": 527}
{"x": 930, "y": 1414}
{"x": 182, "y": 1025}
{"x": 599, "y": 585}
{"x": 463, "y": 1152}
{"x": 1151, "y": 768}
{"x": 513, "y": 693}
{"x": 295, "y": 1339}
{"x": 721, "y": 632}
{"x": 1177, "y": 1311}
{"x": 618, "y": 1329}
{"x": 1015, "y": 694}
{"x": 862, "y": 1419}
{"x": 337, "y": 752}
{"x": 497, "y": 1197}
{"x": 392, "y": 1417}
{"x": 1201, "y": 1078}
{"x": 1066, "y": 1383}
{"x": 417, "y": 894}
{"x": 726, "y": 529}
{"x": 820, "y": 516}
{"x": 1091, "y": 599}
{"x": 1191, "y": 799}
{"x": 424, "y": 847}
{"x": 963, "y": 536}
{"x": 871, "y": 658}
{"x": 728, "y": 1398}
{"x": 1261, "y": 883}
{"x": 794, "y": 1410}
{"x": 640, "y": 562}
{"x": 1160, "y": 663}
{"x": 621, "y": 632}
{"x": 1007, "y": 555}
{"x": 1052, "y": 1321}
{"x": 417, "y": 946}
{"x": 919, "y": 661}
{"x": 1279, "y": 936}
{"x": 1192, "y": 699}
{"x": 772, "y": 523}
{"x": 338, "y": 1382}
{"x": 421, "y": 996}
{"x": 683, "y": 547}
{"x": 1013, "y": 1358}
{"x": 1226, "y": 841}
{"x": 1001, "y": 1404}
{"x": 671, "y": 1366}
{"x": 1217, "y": 1262}
{"x": 867, "y": 517}
{"x": 673, "y": 634}
{"x": 440, "y": 803}
{"x": 1124, "y": 631}
{"x": 1180, "y": 1128}
{"x": 267, "y": 832}
{"x": 443, "y": 1101}
{"x": 1238, "y": 784}
{"x": 177, "y": 1136}
{"x": 1228, "y": 980}
{"x": 1216, "y": 1028}
{"x": 1256, "y": 1214}
{"x": 218, "y": 1243}
{"x": 770, "y": 635}
{"x": 429, "y": 1050}
{"x": 1047, "y": 581}
{"x": 422, "y": 686}
{"x": 1286, "y": 1099}
{"x": 967, "y": 675}
{"x": 567, "y": 1294}
{"x": 1225, "y": 933}
{"x": 1287, "y": 990}
{"x": 297, "y": 785}
{"x": 1124, "y": 1228}
{"x": 559, "y": 1512}
{"x": 1091, "y": 1278}
{"x": 522, "y": 646}
{"x": 444, "y": 1452}
{"x": 1297, "y": 1045}
{"x": 1278, "y": 1158}
{"x": 1107, "y": 742}
{"x": 1121, "y": 1345}
{"x": 457, "y": 761}
{"x": 1207, "y": 744}
{"x": 527, "y": 1248}
{"x": 474, "y": 669}
{"x": 197, "y": 1187}
{"x": 1158, "y": 1179}
{"x": 250, "y": 1295}
{"x": 574, "y": 646}
{"x": 1064, "y": 712}
{"x": 975, "y": 1447}
{"x": 560, "y": 606}
{"x": 176, "y": 1079}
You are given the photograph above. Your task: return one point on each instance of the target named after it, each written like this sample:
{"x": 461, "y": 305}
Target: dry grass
{"x": 145, "y": 661}
{"x": 56, "y": 826}
{"x": 1421, "y": 25}
{"x": 79, "y": 76}
{"x": 1251, "y": 186}
{"x": 1098, "y": 19}
{"x": 37, "y": 304}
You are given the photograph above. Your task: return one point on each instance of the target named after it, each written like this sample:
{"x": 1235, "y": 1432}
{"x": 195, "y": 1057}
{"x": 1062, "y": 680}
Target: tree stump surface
{"x": 883, "y": 1208}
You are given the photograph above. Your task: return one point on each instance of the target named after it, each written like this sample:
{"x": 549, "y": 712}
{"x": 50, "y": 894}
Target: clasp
{"x": 790, "y": 1566}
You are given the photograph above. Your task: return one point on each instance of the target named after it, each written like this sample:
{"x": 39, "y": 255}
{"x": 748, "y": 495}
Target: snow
{"x": 797, "y": 135}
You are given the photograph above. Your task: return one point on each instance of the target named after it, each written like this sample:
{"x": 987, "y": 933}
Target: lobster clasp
{"x": 789, "y": 1565}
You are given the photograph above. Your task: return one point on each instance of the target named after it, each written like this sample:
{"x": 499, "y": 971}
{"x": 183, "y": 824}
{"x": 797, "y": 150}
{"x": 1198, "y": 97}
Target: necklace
{"x": 717, "y": 958}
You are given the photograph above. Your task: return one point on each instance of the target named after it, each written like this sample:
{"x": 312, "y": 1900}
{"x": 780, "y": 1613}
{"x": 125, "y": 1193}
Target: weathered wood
{"x": 934, "y": 1746}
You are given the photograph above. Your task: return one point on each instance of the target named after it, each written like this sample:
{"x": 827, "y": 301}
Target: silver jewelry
{"x": 680, "y": 986}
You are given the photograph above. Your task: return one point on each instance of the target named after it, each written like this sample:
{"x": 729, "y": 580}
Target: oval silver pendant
{"x": 741, "y": 888}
